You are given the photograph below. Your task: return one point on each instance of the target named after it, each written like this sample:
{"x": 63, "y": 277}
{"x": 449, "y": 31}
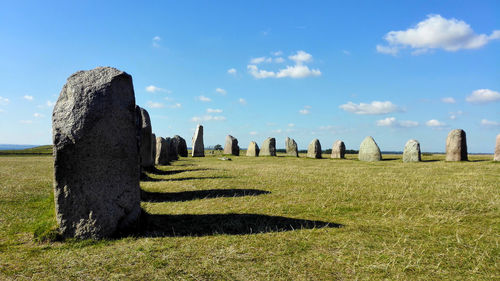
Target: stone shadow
{"x": 156, "y": 171}
{"x": 145, "y": 177}
{"x": 147, "y": 196}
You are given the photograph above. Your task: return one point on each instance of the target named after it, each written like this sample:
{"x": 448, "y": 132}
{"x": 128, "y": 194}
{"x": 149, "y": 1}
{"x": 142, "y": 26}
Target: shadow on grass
{"x": 214, "y": 224}
{"x": 145, "y": 177}
{"x": 157, "y": 171}
{"x": 198, "y": 194}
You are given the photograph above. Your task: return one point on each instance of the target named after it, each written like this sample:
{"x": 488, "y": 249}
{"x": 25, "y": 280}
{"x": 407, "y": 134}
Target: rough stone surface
{"x": 180, "y": 145}
{"x": 253, "y": 149}
{"x": 162, "y": 147}
{"x": 411, "y": 152}
{"x": 456, "y": 146}
{"x": 147, "y": 160}
{"x": 172, "y": 149}
{"x": 338, "y": 150}
{"x": 96, "y": 154}
{"x": 291, "y": 147}
{"x": 268, "y": 147}
{"x": 314, "y": 149}
{"x": 231, "y": 146}
{"x": 496, "y": 157}
{"x": 198, "y": 146}
{"x": 369, "y": 150}
{"x": 153, "y": 147}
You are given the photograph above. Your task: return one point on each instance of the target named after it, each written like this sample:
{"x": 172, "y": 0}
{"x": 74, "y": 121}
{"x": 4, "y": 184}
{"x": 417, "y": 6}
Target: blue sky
{"x": 394, "y": 70}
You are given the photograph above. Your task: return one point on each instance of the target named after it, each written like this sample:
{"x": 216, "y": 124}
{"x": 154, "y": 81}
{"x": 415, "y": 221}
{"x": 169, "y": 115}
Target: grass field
{"x": 271, "y": 218}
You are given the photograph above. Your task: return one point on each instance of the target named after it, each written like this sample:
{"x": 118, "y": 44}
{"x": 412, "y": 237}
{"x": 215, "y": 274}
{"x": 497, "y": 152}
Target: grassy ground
{"x": 271, "y": 218}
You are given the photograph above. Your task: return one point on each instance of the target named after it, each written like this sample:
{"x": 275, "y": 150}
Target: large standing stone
{"x": 268, "y": 147}
{"x": 153, "y": 147}
{"x": 231, "y": 146}
{"x": 172, "y": 149}
{"x": 291, "y": 147}
{"x": 96, "y": 154}
{"x": 369, "y": 151}
{"x": 411, "y": 152}
{"x": 147, "y": 160}
{"x": 253, "y": 149}
{"x": 198, "y": 146}
{"x": 496, "y": 157}
{"x": 162, "y": 147}
{"x": 180, "y": 145}
{"x": 314, "y": 149}
{"x": 456, "y": 146}
{"x": 338, "y": 150}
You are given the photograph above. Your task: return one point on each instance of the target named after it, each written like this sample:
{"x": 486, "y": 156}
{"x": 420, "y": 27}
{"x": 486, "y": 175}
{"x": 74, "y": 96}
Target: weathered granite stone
{"x": 291, "y": 147}
{"x": 496, "y": 157}
{"x": 96, "y": 154}
{"x": 314, "y": 149}
{"x": 411, "y": 152}
{"x": 147, "y": 160}
{"x": 172, "y": 149}
{"x": 180, "y": 145}
{"x": 268, "y": 147}
{"x": 162, "y": 147}
{"x": 456, "y": 146}
{"x": 198, "y": 146}
{"x": 338, "y": 150}
{"x": 153, "y": 147}
{"x": 369, "y": 151}
{"x": 231, "y": 146}
{"x": 253, "y": 149}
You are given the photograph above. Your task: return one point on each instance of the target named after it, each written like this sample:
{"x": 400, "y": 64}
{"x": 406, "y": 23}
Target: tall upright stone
{"x": 198, "y": 146}
{"x": 314, "y": 149}
{"x": 411, "y": 152}
{"x": 146, "y": 153}
{"x": 172, "y": 149}
{"x": 253, "y": 149}
{"x": 496, "y": 157}
{"x": 456, "y": 146}
{"x": 369, "y": 150}
{"x": 153, "y": 147}
{"x": 180, "y": 145}
{"x": 338, "y": 150}
{"x": 231, "y": 146}
{"x": 96, "y": 154}
{"x": 291, "y": 147}
{"x": 268, "y": 147}
{"x": 162, "y": 148}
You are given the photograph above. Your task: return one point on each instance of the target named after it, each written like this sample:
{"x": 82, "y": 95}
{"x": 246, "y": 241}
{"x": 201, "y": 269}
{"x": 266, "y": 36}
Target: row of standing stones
{"x": 103, "y": 140}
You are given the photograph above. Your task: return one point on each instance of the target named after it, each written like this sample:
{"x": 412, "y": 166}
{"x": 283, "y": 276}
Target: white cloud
{"x": 392, "y": 122}
{"x": 435, "y": 123}
{"x": 307, "y": 106}
{"x": 204, "y": 99}
{"x": 260, "y": 60}
{"x": 4, "y": 101}
{"x": 279, "y": 60}
{"x": 387, "y": 122}
{"x": 483, "y": 96}
{"x": 489, "y": 123}
{"x": 436, "y": 32}
{"x": 253, "y": 133}
{"x": 38, "y": 115}
{"x": 454, "y": 115}
{"x": 221, "y": 91}
{"x": 259, "y": 73}
{"x": 277, "y": 54}
{"x": 154, "y": 89}
{"x": 299, "y": 70}
{"x": 278, "y": 131}
{"x": 25, "y": 121}
{"x": 156, "y": 41}
{"x": 26, "y": 97}
{"x": 291, "y": 125}
{"x": 208, "y": 118}
{"x": 373, "y": 108}
{"x": 301, "y": 57}
{"x": 151, "y": 104}
{"x": 176, "y": 105}
{"x": 242, "y": 101}
{"x": 232, "y": 71}
{"x": 50, "y": 103}
{"x": 304, "y": 111}
{"x": 448, "y": 100}
{"x": 211, "y": 110}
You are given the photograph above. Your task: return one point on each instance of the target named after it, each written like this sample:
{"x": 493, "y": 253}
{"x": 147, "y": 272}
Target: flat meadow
{"x": 269, "y": 218}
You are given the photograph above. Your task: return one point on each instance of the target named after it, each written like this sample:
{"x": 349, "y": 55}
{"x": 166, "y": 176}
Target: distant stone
{"x": 496, "y": 157}
{"x": 153, "y": 146}
{"x": 338, "y": 150}
{"x": 180, "y": 145}
{"x": 314, "y": 149}
{"x": 268, "y": 147}
{"x": 162, "y": 148}
{"x": 291, "y": 147}
{"x": 146, "y": 139}
{"x": 456, "y": 146}
{"x": 198, "y": 146}
{"x": 369, "y": 150}
{"x": 96, "y": 154}
{"x": 172, "y": 149}
{"x": 411, "y": 152}
{"x": 231, "y": 146}
{"x": 253, "y": 149}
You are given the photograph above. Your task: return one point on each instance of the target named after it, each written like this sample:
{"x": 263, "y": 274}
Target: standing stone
{"x": 172, "y": 149}
{"x": 314, "y": 149}
{"x": 456, "y": 146}
{"x": 161, "y": 151}
{"x": 268, "y": 147}
{"x": 231, "y": 146}
{"x": 253, "y": 149}
{"x": 96, "y": 154}
{"x": 291, "y": 147}
{"x": 146, "y": 140}
{"x": 180, "y": 145}
{"x": 198, "y": 146}
{"x": 369, "y": 151}
{"x": 338, "y": 150}
{"x": 411, "y": 152}
{"x": 153, "y": 147}
{"x": 496, "y": 157}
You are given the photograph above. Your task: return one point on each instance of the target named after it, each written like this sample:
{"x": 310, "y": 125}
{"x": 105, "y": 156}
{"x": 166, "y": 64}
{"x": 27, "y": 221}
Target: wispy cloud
{"x": 26, "y": 122}
{"x": 435, "y": 123}
{"x": 151, "y": 104}
{"x": 211, "y": 110}
{"x": 28, "y": 98}
{"x": 242, "y": 101}
{"x": 373, "y": 108}
{"x": 204, "y": 99}
{"x": 299, "y": 70}
{"x": 4, "y": 101}
{"x": 392, "y": 122}
{"x": 154, "y": 89}
{"x": 489, "y": 123}
{"x": 253, "y": 133}
{"x": 221, "y": 91}
{"x": 208, "y": 118}
{"x": 38, "y": 115}
{"x": 232, "y": 71}
{"x": 156, "y": 41}
{"x": 448, "y": 100}
{"x": 482, "y": 96}
{"x": 175, "y": 105}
